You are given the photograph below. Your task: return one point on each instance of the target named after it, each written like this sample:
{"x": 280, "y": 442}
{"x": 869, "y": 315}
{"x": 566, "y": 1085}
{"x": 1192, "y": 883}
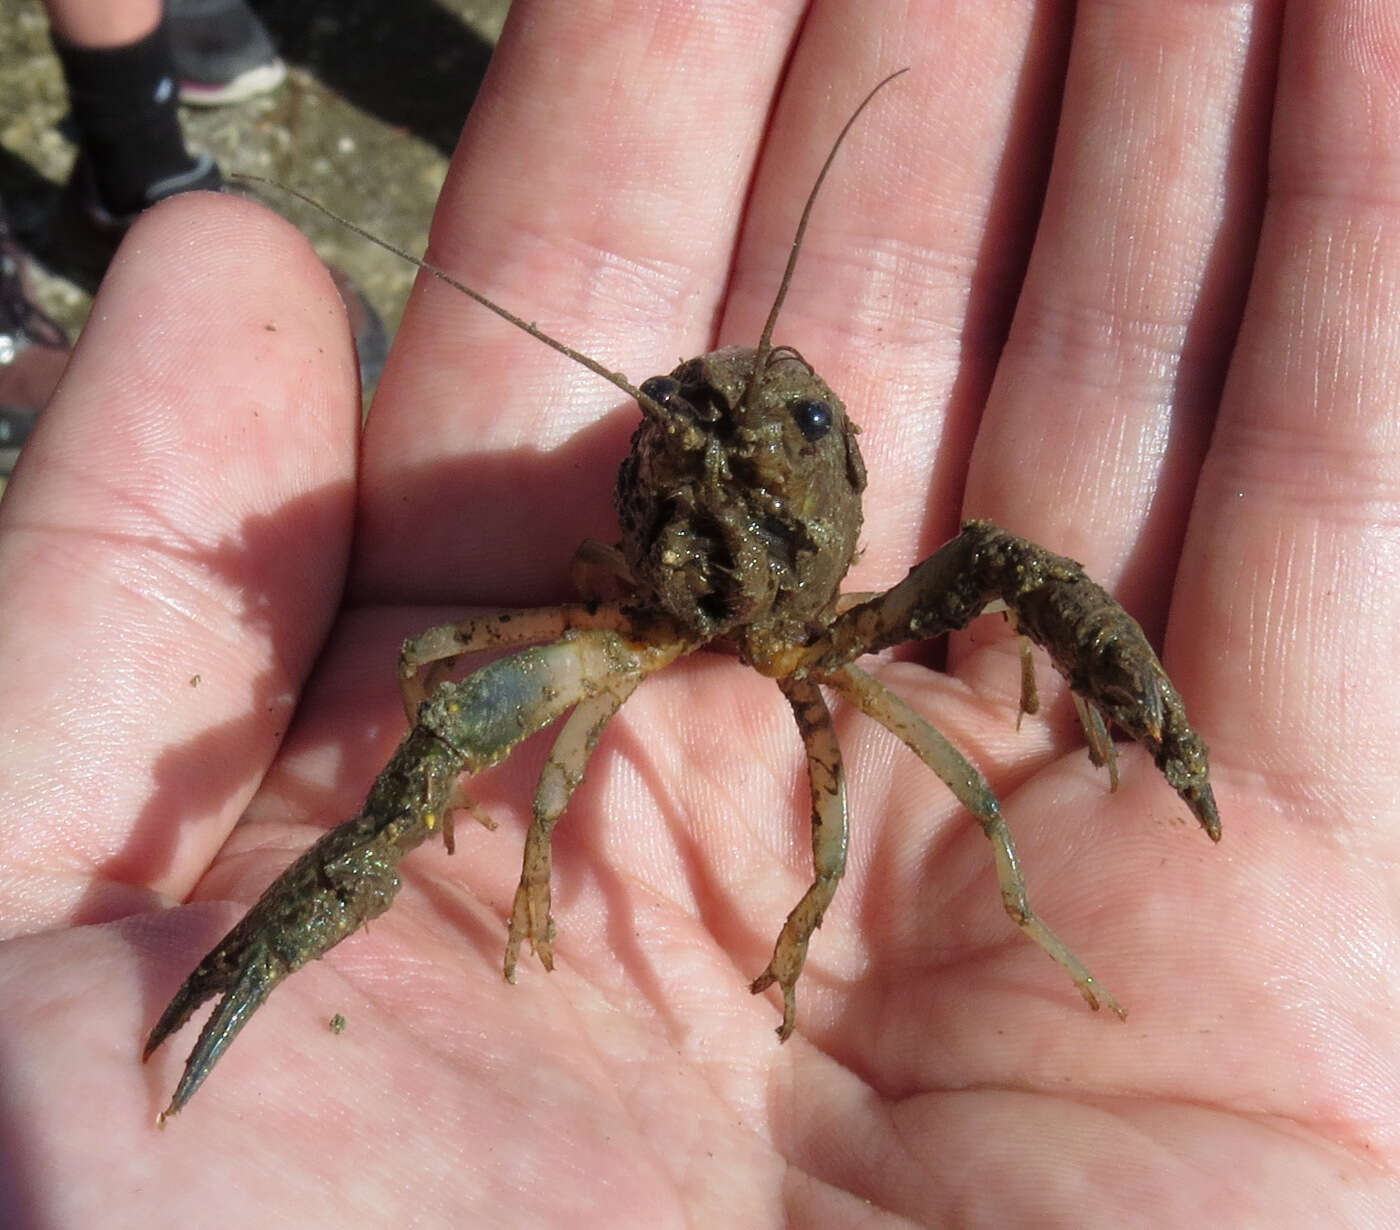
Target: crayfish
{"x": 740, "y": 509}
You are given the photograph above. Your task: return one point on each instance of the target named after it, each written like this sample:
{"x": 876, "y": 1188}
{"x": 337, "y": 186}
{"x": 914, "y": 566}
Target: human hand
{"x": 943, "y": 1069}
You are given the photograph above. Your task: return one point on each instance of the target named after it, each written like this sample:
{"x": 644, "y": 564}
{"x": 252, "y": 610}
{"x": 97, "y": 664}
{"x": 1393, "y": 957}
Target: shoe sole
{"x": 260, "y": 80}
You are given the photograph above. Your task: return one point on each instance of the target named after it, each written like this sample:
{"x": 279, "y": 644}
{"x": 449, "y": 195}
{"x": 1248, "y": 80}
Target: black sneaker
{"x": 83, "y": 235}
{"x": 223, "y": 53}
{"x": 202, "y": 176}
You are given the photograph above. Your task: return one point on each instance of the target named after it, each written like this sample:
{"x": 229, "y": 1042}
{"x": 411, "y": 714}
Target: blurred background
{"x": 365, "y": 122}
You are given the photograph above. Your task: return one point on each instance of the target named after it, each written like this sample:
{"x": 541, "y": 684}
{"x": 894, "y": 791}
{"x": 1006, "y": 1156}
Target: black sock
{"x": 123, "y": 101}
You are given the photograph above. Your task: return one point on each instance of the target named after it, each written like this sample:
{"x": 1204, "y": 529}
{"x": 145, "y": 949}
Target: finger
{"x": 596, "y": 190}
{"x": 900, "y": 297}
{"x": 171, "y": 552}
{"x": 1107, "y": 388}
{"x": 1287, "y": 601}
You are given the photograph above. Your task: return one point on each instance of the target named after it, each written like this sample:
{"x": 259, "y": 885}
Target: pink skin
{"x": 103, "y": 23}
{"x": 1195, "y": 397}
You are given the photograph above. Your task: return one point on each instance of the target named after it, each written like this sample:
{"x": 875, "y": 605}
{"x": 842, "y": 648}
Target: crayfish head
{"x": 740, "y": 506}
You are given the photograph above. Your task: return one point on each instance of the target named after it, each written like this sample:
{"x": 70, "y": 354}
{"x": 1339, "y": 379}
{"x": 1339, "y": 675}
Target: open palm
{"x": 1121, "y": 277}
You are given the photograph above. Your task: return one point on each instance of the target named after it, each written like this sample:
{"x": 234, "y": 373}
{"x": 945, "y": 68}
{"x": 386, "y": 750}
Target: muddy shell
{"x": 740, "y": 514}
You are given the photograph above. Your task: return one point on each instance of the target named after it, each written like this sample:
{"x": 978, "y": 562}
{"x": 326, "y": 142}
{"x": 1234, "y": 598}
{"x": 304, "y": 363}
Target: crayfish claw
{"x": 245, "y": 974}
{"x": 342, "y": 881}
{"x": 1201, "y": 800}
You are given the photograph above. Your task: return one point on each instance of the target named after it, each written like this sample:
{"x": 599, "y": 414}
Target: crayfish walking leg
{"x": 830, "y": 837}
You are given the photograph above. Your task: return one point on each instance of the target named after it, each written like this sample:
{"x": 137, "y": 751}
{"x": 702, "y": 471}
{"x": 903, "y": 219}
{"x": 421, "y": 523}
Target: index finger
{"x": 596, "y": 191}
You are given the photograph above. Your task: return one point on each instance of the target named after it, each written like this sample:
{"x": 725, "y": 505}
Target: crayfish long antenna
{"x": 648, "y": 404}
{"x": 765, "y": 339}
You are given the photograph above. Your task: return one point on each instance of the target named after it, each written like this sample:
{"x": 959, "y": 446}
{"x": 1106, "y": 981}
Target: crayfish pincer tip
{"x": 153, "y": 1040}
{"x": 1200, "y": 798}
{"x": 1207, "y": 814}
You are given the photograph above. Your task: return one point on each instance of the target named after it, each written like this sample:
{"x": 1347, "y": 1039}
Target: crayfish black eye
{"x": 813, "y": 418}
{"x": 661, "y": 389}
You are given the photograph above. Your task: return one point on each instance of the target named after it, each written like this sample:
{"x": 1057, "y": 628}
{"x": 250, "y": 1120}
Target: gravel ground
{"x": 343, "y": 129}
